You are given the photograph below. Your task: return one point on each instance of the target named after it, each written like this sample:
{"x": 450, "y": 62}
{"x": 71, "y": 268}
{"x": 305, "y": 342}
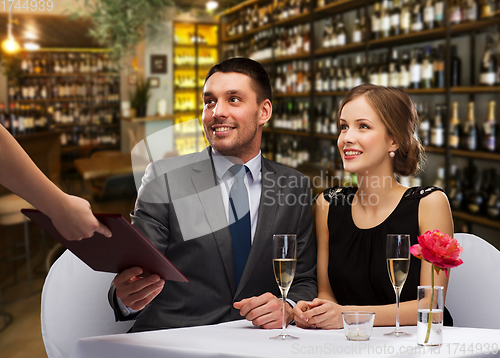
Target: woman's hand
{"x": 298, "y": 310}
{"x": 319, "y": 313}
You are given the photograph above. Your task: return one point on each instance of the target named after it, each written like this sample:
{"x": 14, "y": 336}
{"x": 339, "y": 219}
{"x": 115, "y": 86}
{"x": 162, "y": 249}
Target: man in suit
{"x": 186, "y": 206}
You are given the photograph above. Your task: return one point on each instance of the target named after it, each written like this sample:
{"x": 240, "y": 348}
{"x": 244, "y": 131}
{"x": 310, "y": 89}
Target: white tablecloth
{"x": 241, "y": 339}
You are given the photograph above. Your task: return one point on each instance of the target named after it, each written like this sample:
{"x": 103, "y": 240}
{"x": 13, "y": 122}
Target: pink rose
{"x": 439, "y": 249}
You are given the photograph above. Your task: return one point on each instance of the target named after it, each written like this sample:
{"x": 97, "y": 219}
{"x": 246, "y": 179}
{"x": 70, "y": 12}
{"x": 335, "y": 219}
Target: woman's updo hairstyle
{"x": 397, "y": 111}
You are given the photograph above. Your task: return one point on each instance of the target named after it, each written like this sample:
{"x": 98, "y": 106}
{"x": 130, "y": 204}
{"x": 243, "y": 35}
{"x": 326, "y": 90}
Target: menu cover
{"x": 126, "y": 248}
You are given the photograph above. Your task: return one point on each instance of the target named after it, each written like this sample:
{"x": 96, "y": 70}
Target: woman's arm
{"x": 434, "y": 214}
{"x": 71, "y": 215}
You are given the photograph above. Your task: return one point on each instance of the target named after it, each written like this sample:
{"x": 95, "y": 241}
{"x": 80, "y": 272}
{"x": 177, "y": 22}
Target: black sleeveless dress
{"x": 357, "y": 266}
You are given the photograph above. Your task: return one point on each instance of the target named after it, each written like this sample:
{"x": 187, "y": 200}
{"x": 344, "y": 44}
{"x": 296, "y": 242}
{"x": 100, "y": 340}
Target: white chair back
{"x": 75, "y": 305}
{"x": 474, "y": 286}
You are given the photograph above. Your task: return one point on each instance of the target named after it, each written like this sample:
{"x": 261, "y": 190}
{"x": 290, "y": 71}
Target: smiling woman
{"x": 376, "y": 141}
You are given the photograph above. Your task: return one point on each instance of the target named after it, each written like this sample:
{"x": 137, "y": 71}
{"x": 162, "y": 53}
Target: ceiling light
{"x": 212, "y": 5}
{"x": 10, "y": 45}
{"x": 31, "y": 46}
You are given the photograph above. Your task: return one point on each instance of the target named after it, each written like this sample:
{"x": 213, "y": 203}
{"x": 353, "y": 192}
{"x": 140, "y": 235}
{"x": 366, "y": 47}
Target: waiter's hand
{"x": 264, "y": 311}
{"x": 136, "y": 291}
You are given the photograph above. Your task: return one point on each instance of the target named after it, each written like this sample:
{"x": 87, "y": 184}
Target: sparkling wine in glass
{"x": 398, "y": 264}
{"x": 284, "y": 264}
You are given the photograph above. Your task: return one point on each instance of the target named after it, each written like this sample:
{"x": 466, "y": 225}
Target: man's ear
{"x": 265, "y": 112}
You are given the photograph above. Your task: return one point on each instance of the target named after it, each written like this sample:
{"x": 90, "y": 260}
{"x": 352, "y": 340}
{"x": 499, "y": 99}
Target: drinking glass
{"x": 398, "y": 264}
{"x": 284, "y": 264}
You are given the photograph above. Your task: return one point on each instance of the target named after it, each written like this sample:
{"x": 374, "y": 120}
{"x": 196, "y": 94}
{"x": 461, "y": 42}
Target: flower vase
{"x": 430, "y": 308}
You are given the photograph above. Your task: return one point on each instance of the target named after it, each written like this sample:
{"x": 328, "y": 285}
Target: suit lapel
{"x": 205, "y": 183}
{"x": 264, "y": 231}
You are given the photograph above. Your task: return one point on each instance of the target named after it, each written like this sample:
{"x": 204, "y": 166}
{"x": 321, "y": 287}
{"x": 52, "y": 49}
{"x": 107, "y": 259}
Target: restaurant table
{"x": 98, "y": 167}
{"x": 242, "y": 339}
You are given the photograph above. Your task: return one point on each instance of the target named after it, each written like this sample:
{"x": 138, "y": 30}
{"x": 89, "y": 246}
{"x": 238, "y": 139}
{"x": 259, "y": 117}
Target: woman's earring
{"x": 392, "y": 154}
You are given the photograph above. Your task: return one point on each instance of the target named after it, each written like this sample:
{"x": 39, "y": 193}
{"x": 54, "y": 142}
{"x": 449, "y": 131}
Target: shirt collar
{"x": 222, "y": 164}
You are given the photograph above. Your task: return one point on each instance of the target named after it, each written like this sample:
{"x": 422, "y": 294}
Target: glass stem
{"x": 398, "y": 291}
{"x": 283, "y": 331}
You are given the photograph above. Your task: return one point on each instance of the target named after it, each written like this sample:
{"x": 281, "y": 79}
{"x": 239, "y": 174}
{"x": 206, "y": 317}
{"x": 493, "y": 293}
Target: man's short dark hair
{"x": 252, "y": 69}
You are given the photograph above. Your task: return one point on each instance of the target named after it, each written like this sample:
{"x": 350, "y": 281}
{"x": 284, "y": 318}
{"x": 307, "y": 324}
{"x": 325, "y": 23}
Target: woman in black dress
{"x": 377, "y": 140}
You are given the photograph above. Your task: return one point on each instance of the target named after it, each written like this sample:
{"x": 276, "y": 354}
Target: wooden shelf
{"x": 474, "y": 25}
{"x": 476, "y": 89}
{"x": 294, "y": 20}
{"x": 331, "y": 93}
{"x": 291, "y": 132}
{"x": 241, "y": 6}
{"x": 62, "y": 99}
{"x": 426, "y": 35}
{"x": 326, "y": 136}
{"x": 148, "y": 119}
{"x": 435, "y": 150}
{"x": 352, "y": 47}
{"x": 66, "y": 125}
{"x": 284, "y": 95}
{"x": 475, "y": 154}
{"x": 299, "y": 56}
{"x": 74, "y": 74}
{"x": 340, "y": 6}
{"x": 476, "y": 219}
{"x": 425, "y": 90}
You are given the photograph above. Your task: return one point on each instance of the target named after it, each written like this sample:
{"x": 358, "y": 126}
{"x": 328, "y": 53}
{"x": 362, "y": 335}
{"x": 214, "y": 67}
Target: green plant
{"x": 141, "y": 96}
{"x": 120, "y": 25}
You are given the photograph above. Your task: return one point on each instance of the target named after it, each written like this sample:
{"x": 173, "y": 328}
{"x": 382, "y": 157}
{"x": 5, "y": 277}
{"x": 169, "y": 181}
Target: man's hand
{"x": 135, "y": 291}
{"x": 264, "y": 311}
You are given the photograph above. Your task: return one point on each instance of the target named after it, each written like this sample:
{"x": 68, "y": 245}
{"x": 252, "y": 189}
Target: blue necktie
{"x": 239, "y": 220}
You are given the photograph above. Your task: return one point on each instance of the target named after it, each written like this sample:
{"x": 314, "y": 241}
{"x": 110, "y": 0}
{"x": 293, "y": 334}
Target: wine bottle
{"x": 439, "y": 13}
{"x": 471, "y": 10}
{"x": 439, "y": 65}
{"x": 424, "y": 126}
{"x": 457, "y": 194}
{"x": 474, "y": 197}
{"x": 455, "y": 68}
{"x": 357, "y": 32}
{"x": 394, "y": 69}
{"x": 429, "y": 15}
{"x": 375, "y": 22}
{"x": 455, "y": 130}
{"x": 374, "y": 70}
{"x": 404, "y": 70}
{"x": 385, "y": 19}
{"x": 383, "y": 73}
{"x": 471, "y": 132}
{"x": 488, "y": 8}
{"x": 417, "y": 21}
{"x": 416, "y": 69}
{"x": 437, "y": 130}
{"x": 340, "y": 34}
{"x": 493, "y": 199}
{"x": 489, "y": 66}
{"x": 490, "y": 134}
{"x": 406, "y": 12}
{"x": 396, "y": 19}
{"x": 427, "y": 76}
{"x": 455, "y": 12}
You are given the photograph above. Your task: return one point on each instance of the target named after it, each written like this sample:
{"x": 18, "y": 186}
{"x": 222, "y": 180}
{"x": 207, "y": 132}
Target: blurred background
{"x": 83, "y": 83}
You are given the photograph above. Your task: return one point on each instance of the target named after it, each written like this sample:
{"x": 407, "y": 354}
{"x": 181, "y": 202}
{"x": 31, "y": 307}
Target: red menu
{"x": 126, "y": 248}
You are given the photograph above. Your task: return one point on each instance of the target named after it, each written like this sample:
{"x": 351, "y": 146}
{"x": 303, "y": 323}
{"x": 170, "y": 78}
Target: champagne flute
{"x": 284, "y": 263}
{"x": 398, "y": 264}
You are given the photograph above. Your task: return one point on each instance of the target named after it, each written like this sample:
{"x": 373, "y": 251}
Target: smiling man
{"x": 213, "y": 214}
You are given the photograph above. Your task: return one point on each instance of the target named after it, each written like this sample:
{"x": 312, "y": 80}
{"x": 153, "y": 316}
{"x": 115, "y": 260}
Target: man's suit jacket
{"x": 180, "y": 209}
